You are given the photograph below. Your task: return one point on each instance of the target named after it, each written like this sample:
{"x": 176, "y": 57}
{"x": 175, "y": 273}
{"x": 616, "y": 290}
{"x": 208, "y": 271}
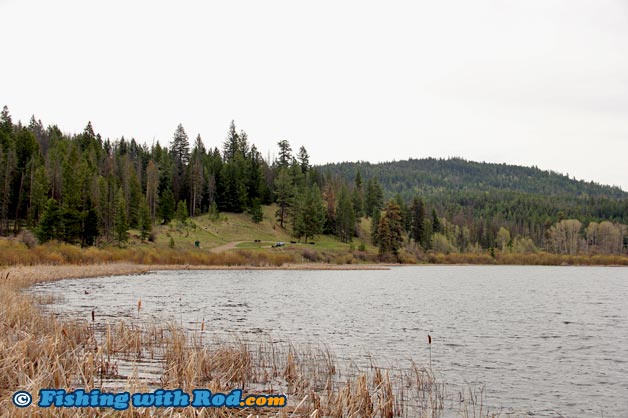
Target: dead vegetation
{"x": 38, "y": 351}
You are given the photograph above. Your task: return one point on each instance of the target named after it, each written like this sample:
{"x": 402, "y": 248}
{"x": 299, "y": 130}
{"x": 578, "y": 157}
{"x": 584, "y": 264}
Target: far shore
{"x": 24, "y": 276}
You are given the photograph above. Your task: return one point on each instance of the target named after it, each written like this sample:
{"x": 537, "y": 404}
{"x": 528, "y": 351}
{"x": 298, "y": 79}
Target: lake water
{"x": 544, "y": 341}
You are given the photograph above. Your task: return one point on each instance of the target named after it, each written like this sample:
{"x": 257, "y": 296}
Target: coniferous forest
{"x": 86, "y": 190}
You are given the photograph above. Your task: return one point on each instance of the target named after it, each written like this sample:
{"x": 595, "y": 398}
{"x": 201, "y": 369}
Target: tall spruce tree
{"x": 417, "y": 220}
{"x": 345, "y": 216}
{"x": 284, "y": 192}
{"x": 121, "y": 224}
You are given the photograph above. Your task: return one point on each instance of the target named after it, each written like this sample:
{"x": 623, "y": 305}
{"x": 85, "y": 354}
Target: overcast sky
{"x": 528, "y": 82}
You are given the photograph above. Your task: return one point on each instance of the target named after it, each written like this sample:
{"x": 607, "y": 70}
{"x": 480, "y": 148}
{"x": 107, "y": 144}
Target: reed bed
{"x": 39, "y": 351}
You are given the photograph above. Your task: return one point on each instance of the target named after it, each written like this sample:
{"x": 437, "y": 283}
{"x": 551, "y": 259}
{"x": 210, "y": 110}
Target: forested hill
{"x": 430, "y": 175}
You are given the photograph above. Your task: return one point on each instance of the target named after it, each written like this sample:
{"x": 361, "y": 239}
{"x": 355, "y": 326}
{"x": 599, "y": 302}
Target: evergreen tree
{"x": 121, "y": 224}
{"x": 182, "y": 211}
{"x": 390, "y": 232}
{"x": 180, "y": 152}
{"x": 257, "y": 215}
{"x": 231, "y": 146}
{"x": 51, "y": 225}
{"x": 313, "y": 213}
{"x": 90, "y": 228}
{"x": 285, "y": 154}
{"x": 417, "y": 216}
{"x": 304, "y": 160}
{"x": 375, "y": 218}
{"x": 436, "y": 226}
{"x": 146, "y": 223}
{"x": 345, "y": 216}
{"x": 166, "y": 206}
{"x": 297, "y": 210}
{"x": 180, "y": 148}
{"x": 284, "y": 192}
{"x": 374, "y": 196}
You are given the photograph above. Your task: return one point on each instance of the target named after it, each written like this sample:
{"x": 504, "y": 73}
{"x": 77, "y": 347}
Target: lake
{"x": 543, "y": 341}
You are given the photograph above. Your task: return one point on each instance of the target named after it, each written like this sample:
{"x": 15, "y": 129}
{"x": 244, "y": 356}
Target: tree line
{"x": 83, "y": 189}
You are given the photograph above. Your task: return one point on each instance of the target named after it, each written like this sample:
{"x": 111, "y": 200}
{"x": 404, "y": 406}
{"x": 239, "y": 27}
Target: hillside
{"x": 515, "y": 193}
{"x": 431, "y": 175}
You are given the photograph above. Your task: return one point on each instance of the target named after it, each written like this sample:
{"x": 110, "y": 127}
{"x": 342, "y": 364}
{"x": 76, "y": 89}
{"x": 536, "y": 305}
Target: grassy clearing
{"x": 38, "y": 351}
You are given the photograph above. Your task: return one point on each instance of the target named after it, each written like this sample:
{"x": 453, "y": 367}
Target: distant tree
{"x": 180, "y": 151}
{"x": 182, "y": 211}
{"x": 146, "y": 223}
{"x": 345, "y": 216}
{"x": 417, "y": 221}
{"x": 90, "y": 228}
{"x": 436, "y": 226}
{"x": 329, "y": 197}
{"x": 257, "y": 215}
{"x": 121, "y": 224}
{"x": 390, "y": 231}
{"x": 374, "y": 196}
{"x": 152, "y": 187}
{"x": 304, "y": 160}
{"x": 197, "y": 175}
{"x": 51, "y": 225}
{"x": 284, "y": 192}
{"x": 358, "y": 196}
{"x": 231, "y": 146}
{"x": 167, "y": 206}
{"x": 375, "y": 218}
{"x": 503, "y": 238}
{"x": 285, "y": 154}
{"x": 180, "y": 148}
{"x": 309, "y": 215}
{"x": 565, "y": 236}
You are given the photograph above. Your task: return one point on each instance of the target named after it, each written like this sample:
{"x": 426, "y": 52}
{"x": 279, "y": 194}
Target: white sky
{"x": 528, "y": 82}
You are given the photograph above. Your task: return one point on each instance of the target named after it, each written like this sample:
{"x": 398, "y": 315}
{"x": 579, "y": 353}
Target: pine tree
{"x": 313, "y": 213}
{"x": 304, "y": 160}
{"x": 436, "y": 226}
{"x": 284, "y": 192}
{"x": 285, "y": 154}
{"x": 375, "y": 218}
{"x": 180, "y": 148}
{"x": 50, "y": 226}
{"x": 345, "y": 216}
{"x": 182, "y": 211}
{"x": 374, "y": 196}
{"x": 297, "y": 211}
{"x": 417, "y": 216}
{"x": 121, "y": 224}
{"x": 166, "y": 206}
{"x": 90, "y": 227}
{"x": 180, "y": 152}
{"x": 145, "y": 220}
{"x": 257, "y": 215}
{"x": 231, "y": 146}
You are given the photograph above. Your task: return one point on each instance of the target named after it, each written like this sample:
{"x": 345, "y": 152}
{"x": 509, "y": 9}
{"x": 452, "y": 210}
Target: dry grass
{"x": 15, "y": 253}
{"x": 38, "y": 351}
{"x": 532, "y": 259}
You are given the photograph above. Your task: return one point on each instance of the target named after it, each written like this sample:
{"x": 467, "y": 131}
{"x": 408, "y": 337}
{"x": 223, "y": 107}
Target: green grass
{"x": 239, "y": 228}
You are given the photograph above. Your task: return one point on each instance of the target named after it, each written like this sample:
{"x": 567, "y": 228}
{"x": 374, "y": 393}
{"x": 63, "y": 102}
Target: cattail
{"x": 139, "y": 305}
{"x": 93, "y": 316}
{"x": 203, "y": 325}
{"x": 429, "y": 342}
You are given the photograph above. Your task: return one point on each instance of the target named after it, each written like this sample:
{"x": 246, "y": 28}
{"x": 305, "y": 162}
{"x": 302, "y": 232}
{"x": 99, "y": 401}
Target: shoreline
{"x": 74, "y": 353}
